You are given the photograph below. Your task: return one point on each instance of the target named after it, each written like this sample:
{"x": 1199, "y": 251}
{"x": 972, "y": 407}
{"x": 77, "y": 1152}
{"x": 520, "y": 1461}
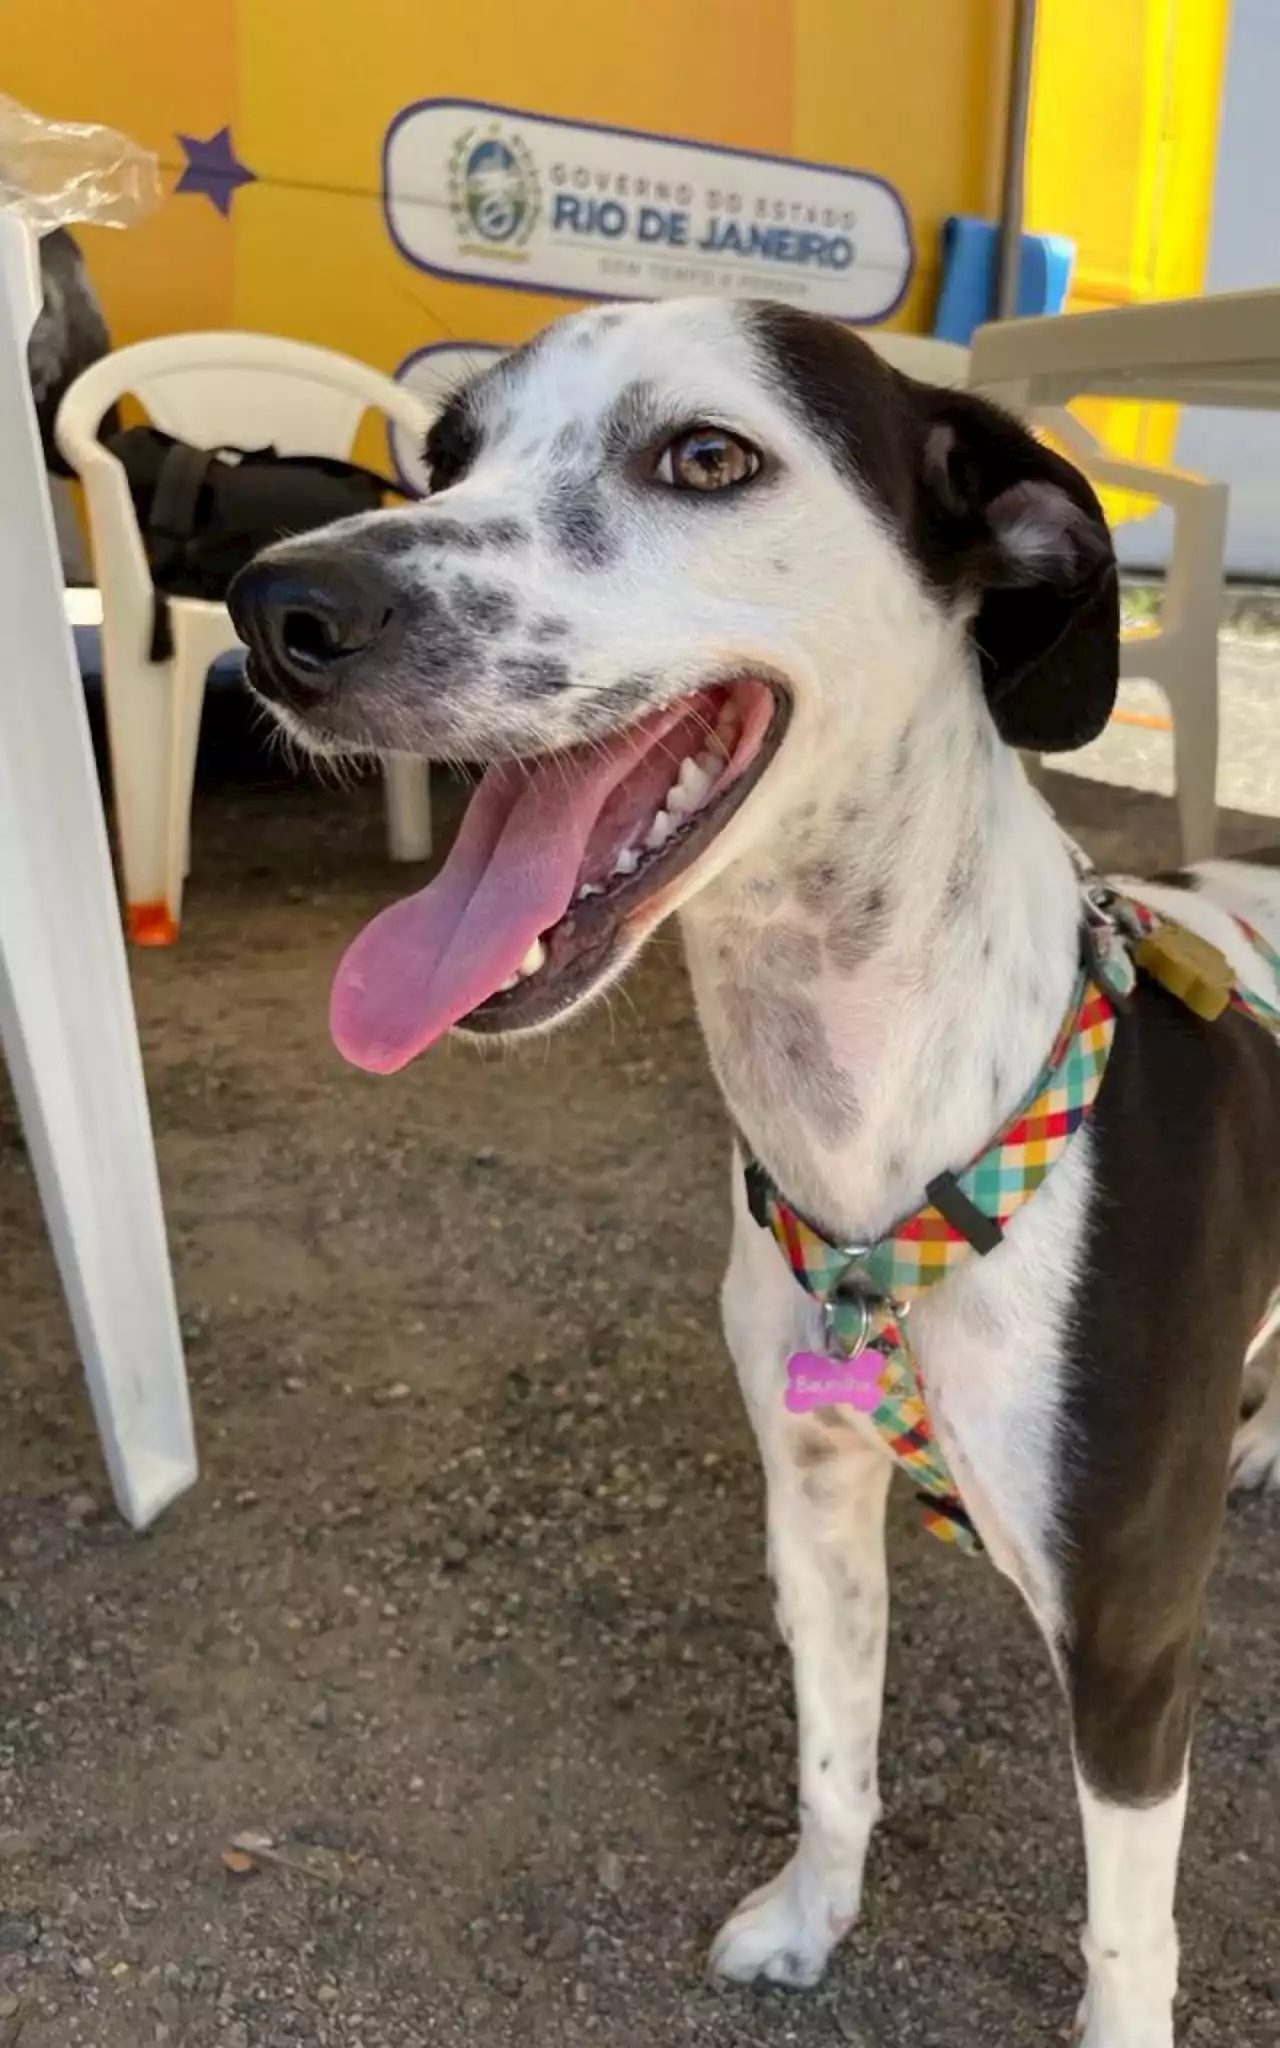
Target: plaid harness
{"x": 866, "y": 1291}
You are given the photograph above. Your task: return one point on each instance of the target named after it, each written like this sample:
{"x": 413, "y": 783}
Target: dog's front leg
{"x": 826, "y": 1506}
{"x": 1131, "y": 1682}
{"x": 1131, "y": 1946}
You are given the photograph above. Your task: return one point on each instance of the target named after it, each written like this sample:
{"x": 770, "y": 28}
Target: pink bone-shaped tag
{"x": 817, "y": 1382}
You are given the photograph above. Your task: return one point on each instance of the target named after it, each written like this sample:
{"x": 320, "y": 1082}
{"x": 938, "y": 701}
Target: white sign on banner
{"x": 496, "y": 196}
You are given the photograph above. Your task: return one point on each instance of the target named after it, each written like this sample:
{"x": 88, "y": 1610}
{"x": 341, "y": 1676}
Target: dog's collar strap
{"x": 966, "y": 1212}
{"x": 866, "y": 1290}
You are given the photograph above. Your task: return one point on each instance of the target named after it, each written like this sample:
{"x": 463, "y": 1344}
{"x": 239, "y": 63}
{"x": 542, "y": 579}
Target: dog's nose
{"x": 304, "y": 625}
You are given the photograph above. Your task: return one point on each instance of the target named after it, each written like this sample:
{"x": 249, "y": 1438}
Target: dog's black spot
{"x": 856, "y": 931}
{"x": 813, "y": 1450}
{"x": 814, "y": 883}
{"x": 549, "y": 628}
{"x": 781, "y": 568}
{"x": 825, "y": 1764}
{"x": 1177, "y": 878}
{"x": 452, "y": 443}
{"x": 448, "y": 645}
{"x": 486, "y": 606}
{"x": 987, "y": 948}
{"x": 839, "y": 390}
{"x": 864, "y": 1782}
{"x": 634, "y": 418}
{"x": 627, "y": 693}
{"x": 964, "y": 868}
{"x": 902, "y": 756}
{"x": 1184, "y": 1238}
{"x": 537, "y": 675}
{"x": 579, "y": 524}
{"x": 504, "y": 533}
{"x": 571, "y": 440}
{"x": 787, "y": 954}
{"x": 438, "y": 532}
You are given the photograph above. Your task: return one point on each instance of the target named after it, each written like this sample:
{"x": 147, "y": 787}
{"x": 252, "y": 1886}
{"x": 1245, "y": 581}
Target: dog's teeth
{"x": 660, "y": 831}
{"x": 627, "y": 862}
{"x": 589, "y": 889}
{"x": 710, "y": 763}
{"x": 696, "y": 779}
{"x": 533, "y": 959}
{"x": 512, "y": 981}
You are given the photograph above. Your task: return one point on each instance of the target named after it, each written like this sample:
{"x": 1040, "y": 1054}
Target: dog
{"x": 751, "y": 629}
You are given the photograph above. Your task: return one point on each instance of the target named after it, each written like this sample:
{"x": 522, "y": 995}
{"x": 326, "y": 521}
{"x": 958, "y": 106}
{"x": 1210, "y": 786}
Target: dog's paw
{"x": 782, "y": 1933}
{"x": 1255, "y": 1454}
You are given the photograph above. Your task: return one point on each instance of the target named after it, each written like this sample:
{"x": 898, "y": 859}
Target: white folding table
{"x": 66, "y": 1012}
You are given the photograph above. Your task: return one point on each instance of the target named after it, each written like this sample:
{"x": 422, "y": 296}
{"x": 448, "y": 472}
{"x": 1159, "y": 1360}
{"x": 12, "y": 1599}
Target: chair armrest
{"x": 1170, "y": 486}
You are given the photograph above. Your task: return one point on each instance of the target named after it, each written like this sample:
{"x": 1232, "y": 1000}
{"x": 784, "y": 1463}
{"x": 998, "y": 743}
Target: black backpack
{"x": 205, "y": 512}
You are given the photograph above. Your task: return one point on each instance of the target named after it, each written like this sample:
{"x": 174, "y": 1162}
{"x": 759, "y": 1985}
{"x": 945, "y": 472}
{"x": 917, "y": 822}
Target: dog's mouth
{"x": 562, "y": 862}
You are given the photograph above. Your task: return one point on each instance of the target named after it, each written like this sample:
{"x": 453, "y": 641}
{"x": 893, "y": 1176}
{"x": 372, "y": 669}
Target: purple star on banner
{"x": 214, "y": 169}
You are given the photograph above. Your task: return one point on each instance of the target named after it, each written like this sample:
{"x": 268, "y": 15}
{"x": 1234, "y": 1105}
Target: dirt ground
{"x": 467, "y": 1613}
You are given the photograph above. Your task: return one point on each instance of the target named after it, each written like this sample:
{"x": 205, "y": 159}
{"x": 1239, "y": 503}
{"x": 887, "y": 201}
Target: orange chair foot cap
{"x": 152, "y": 924}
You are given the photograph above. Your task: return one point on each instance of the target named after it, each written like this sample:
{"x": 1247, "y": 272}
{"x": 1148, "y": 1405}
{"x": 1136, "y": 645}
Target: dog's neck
{"x": 881, "y": 979}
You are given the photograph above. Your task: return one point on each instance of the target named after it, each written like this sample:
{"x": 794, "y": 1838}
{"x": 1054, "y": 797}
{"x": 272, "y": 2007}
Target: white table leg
{"x": 66, "y": 1013}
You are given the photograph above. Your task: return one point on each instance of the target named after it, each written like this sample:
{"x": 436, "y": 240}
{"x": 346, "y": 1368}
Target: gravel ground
{"x": 467, "y": 1614}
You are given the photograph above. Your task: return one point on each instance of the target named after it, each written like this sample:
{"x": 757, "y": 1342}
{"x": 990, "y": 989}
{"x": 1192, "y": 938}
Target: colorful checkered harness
{"x": 866, "y": 1291}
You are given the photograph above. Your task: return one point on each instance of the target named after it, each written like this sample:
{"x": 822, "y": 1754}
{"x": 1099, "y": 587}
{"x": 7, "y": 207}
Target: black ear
{"x": 1015, "y": 530}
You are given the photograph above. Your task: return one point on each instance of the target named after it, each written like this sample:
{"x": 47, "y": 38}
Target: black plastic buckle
{"x": 758, "y": 1189}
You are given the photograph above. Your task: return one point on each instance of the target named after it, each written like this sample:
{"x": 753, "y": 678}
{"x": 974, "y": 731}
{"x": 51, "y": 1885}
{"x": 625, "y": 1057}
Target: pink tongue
{"x": 425, "y": 962}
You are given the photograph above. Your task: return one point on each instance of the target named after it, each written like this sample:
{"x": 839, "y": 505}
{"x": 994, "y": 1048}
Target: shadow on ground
{"x": 467, "y": 1613}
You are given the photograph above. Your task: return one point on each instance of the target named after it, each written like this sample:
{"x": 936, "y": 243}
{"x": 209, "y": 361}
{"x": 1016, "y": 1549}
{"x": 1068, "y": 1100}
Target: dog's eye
{"x": 707, "y": 459}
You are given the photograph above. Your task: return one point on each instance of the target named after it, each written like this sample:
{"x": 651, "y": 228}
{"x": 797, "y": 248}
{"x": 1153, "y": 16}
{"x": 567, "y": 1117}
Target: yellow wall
{"x": 1126, "y": 104}
{"x": 912, "y": 91}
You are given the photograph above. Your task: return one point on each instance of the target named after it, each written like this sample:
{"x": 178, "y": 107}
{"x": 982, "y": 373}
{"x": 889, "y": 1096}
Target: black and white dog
{"x": 750, "y": 627}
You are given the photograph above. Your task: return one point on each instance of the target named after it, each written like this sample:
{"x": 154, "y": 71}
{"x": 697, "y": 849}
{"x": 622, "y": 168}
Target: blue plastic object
{"x": 969, "y": 260}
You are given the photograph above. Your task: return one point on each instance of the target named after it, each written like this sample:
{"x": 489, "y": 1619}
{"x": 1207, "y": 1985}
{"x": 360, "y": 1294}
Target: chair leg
{"x": 1195, "y": 757}
{"x": 1188, "y": 669}
{"x": 406, "y": 784}
{"x": 153, "y": 722}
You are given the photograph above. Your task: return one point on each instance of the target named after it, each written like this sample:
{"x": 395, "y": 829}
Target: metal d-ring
{"x": 865, "y": 1299}
{"x": 835, "y": 1343}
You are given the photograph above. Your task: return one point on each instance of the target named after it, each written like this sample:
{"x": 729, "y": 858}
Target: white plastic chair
{"x": 222, "y": 389}
{"x": 1181, "y": 655}
{"x": 66, "y": 1017}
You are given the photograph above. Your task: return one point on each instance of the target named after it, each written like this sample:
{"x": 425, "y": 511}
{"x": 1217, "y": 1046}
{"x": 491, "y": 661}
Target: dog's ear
{"x": 1009, "y": 527}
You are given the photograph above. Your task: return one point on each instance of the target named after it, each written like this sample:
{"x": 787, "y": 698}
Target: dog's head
{"x": 678, "y": 560}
